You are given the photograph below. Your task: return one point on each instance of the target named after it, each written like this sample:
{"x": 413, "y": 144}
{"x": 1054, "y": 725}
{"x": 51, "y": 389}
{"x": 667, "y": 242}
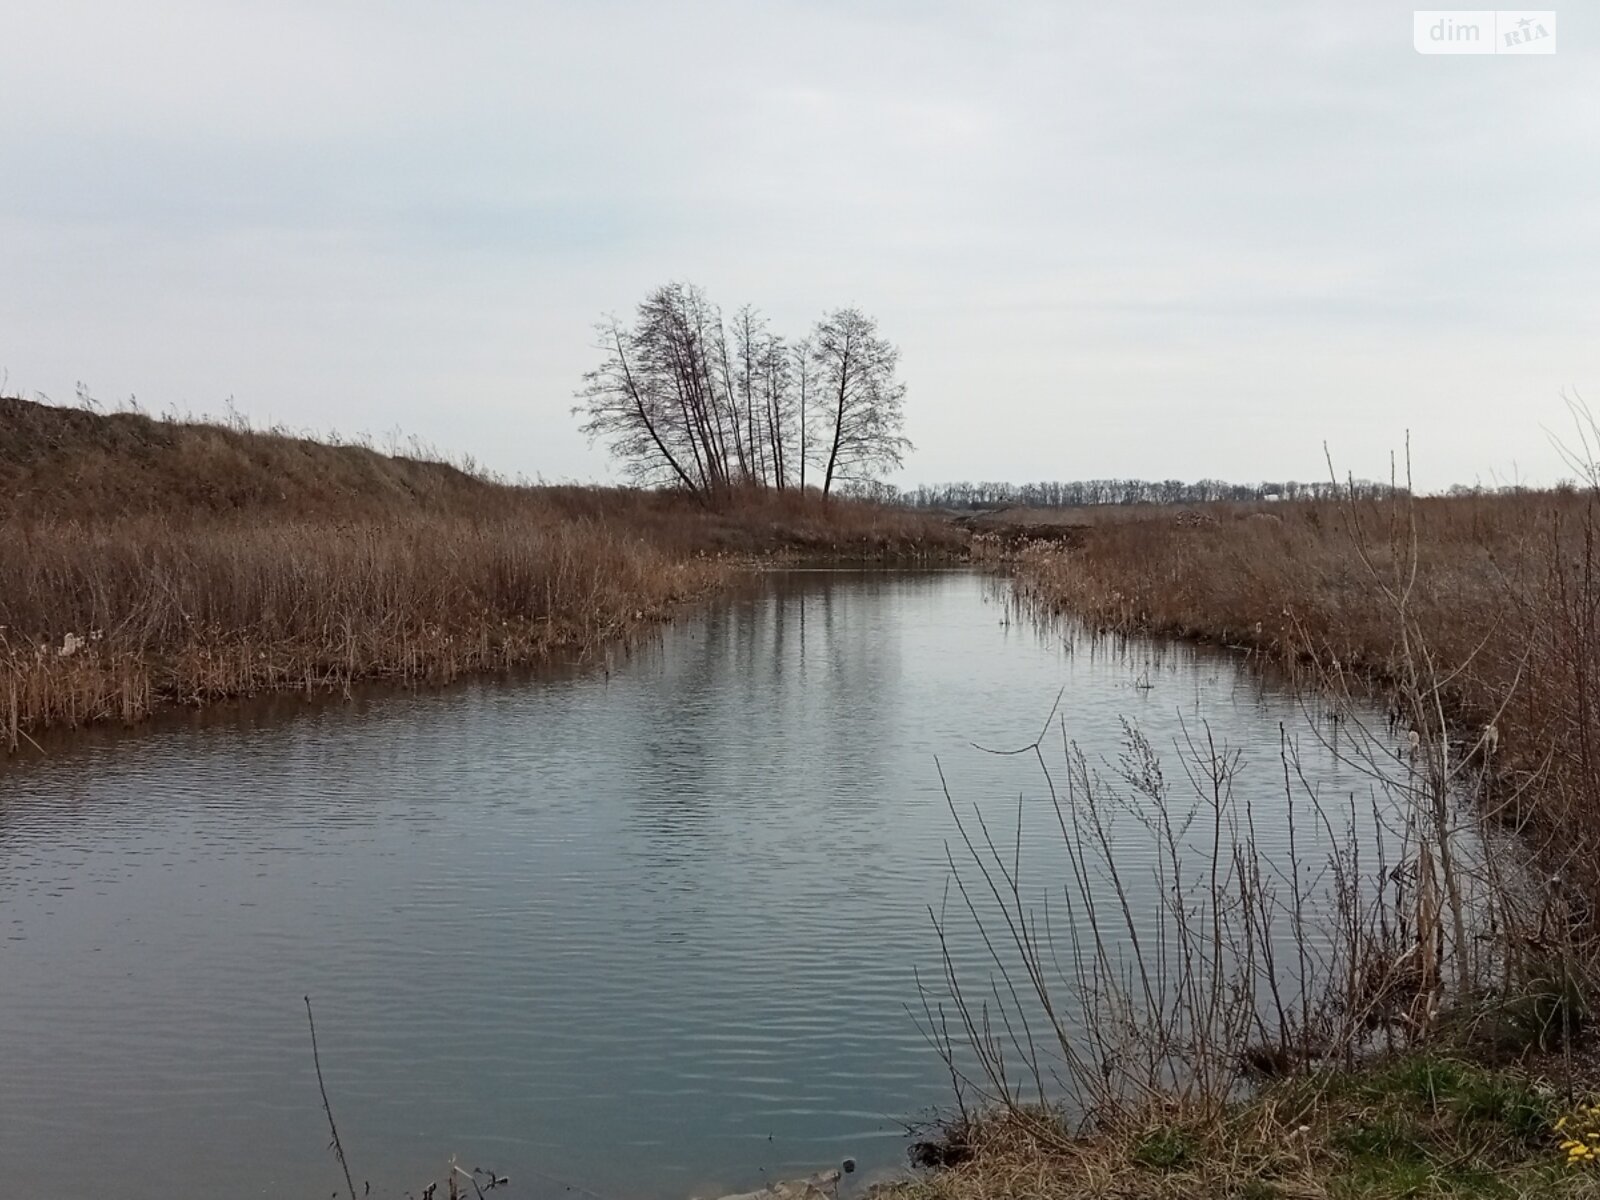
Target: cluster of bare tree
{"x": 1564, "y": 487}
{"x": 688, "y": 399}
{"x": 1125, "y": 491}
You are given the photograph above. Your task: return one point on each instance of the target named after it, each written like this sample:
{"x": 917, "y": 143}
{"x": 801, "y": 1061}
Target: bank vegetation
{"x": 155, "y": 562}
{"x": 1399, "y": 1000}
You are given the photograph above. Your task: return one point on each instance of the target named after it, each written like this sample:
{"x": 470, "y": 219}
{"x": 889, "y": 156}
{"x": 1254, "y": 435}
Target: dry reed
{"x": 147, "y": 563}
{"x": 1475, "y": 617}
{"x": 1263, "y": 1032}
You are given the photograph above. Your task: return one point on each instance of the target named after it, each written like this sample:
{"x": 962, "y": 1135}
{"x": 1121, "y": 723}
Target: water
{"x": 647, "y": 927}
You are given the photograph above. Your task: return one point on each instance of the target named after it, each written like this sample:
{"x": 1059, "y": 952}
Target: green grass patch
{"x": 1428, "y": 1125}
{"x": 1164, "y": 1149}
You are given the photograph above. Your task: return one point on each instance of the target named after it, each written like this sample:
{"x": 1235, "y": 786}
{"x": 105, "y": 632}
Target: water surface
{"x": 647, "y": 928}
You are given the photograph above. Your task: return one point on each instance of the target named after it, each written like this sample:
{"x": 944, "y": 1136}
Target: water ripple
{"x": 639, "y": 929}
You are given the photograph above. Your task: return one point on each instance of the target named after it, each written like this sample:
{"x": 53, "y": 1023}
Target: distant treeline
{"x": 1083, "y": 492}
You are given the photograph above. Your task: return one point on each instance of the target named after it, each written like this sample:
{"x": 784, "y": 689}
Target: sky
{"x": 1151, "y": 239}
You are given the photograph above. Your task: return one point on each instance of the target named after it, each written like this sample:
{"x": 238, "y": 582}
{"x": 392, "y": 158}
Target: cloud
{"x": 1147, "y": 239}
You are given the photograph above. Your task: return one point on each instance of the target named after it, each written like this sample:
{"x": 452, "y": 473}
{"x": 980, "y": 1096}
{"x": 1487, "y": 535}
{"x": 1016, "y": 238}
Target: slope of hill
{"x": 69, "y": 462}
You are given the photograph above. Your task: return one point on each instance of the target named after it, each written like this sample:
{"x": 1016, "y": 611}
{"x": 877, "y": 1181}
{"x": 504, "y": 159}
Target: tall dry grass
{"x": 1475, "y": 618}
{"x": 1394, "y": 1003}
{"x": 112, "y": 620}
{"x": 148, "y": 562}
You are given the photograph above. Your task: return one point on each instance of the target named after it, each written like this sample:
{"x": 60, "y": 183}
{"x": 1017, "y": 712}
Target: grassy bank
{"x": 1478, "y": 617}
{"x": 150, "y": 562}
{"x": 1445, "y": 1023}
{"x": 1415, "y": 1125}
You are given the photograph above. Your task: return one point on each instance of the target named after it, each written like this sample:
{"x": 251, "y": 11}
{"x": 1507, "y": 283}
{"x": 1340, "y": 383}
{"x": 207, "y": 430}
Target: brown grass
{"x": 1496, "y": 597}
{"x": 78, "y": 465}
{"x": 1411, "y": 1126}
{"x": 1475, "y": 618}
{"x": 150, "y": 563}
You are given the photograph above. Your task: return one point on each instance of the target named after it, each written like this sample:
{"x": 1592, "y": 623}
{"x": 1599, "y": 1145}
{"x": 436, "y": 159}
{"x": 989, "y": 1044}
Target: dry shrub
{"x": 1475, "y": 616}
{"x": 1118, "y": 1051}
{"x": 1170, "y": 1007}
{"x": 765, "y": 522}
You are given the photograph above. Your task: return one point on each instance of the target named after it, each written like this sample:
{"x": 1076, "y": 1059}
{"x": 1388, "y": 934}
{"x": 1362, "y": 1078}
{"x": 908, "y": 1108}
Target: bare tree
{"x": 685, "y": 401}
{"x": 863, "y": 401}
{"x": 660, "y": 394}
{"x": 761, "y": 389}
{"x": 778, "y": 401}
{"x": 803, "y": 374}
{"x": 1086, "y": 492}
{"x": 624, "y": 404}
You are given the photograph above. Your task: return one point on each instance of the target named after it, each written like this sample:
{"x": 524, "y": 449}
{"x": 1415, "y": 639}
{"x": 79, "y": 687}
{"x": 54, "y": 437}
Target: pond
{"x": 648, "y": 926}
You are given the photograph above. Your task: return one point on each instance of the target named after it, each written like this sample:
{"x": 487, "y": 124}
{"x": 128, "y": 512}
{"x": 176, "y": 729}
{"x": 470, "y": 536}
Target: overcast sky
{"x": 1157, "y": 239}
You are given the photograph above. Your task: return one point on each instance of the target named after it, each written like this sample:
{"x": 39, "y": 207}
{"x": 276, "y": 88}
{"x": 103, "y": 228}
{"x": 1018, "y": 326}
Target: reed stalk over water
{"x": 1435, "y": 927}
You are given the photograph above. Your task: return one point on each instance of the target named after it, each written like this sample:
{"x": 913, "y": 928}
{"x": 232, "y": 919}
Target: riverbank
{"x": 1420, "y": 1124}
{"x": 153, "y": 563}
{"x": 1474, "y": 618}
